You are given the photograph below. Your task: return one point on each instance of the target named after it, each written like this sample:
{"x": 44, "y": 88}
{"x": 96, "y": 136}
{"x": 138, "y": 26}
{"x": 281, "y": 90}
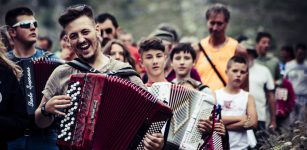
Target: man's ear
{"x": 98, "y": 34}
{"x": 12, "y": 32}
{"x": 118, "y": 30}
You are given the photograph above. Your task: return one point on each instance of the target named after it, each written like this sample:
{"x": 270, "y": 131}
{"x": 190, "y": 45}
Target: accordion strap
{"x": 84, "y": 67}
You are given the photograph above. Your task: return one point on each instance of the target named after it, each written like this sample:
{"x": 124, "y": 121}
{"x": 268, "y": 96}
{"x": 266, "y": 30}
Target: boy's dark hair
{"x": 216, "y": 9}
{"x": 151, "y": 44}
{"x": 289, "y": 49}
{"x": 11, "y": 15}
{"x": 261, "y": 35}
{"x": 74, "y": 12}
{"x": 236, "y": 59}
{"x": 105, "y": 16}
{"x": 300, "y": 46}
{"x": 183, "y": 47}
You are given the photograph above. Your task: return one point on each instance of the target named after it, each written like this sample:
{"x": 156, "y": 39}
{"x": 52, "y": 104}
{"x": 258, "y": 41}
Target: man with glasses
{"x": 22, "y": 28}
{"x": 107, "y": 26}
{"x": 218, "y": 47}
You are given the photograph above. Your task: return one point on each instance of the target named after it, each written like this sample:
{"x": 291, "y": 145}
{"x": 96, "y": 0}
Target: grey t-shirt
{"x": 58, "y": 81}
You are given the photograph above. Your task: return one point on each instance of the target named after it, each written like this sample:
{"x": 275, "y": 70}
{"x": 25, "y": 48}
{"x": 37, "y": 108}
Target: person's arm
{"x": 52, "y": 107}
{"x": 249, "y": 121}
{"x": 272, "y": 107}
{"x": 13, "y": 123}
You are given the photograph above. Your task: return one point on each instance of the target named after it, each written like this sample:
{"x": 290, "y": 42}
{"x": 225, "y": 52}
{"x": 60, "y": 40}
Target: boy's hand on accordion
{"x": 154, "y": 141}
{"x": 220, "y": 128}
{"x": 204, "y": 126}
{"x": 56, "y": 103}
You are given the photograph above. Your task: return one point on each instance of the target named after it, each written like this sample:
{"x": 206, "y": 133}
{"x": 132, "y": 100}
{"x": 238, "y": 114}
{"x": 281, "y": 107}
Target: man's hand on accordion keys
{"x": 154, "y": 141}
{"x": 56, "y": 103}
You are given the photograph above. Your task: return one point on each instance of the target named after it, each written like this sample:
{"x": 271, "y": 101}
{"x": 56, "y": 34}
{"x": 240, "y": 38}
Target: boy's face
{"x": 82, "y": 37}
{"x": 236, "y": 74}
{"x": 153, "y": 61}
{"x": 182, "y": 63}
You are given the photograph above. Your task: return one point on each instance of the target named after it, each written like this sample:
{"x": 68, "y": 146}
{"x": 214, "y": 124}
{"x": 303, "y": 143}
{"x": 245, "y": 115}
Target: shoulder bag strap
{"x": 212, "y": 65}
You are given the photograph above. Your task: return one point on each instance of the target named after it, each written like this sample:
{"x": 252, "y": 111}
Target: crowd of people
{"x": 257, "y": 91}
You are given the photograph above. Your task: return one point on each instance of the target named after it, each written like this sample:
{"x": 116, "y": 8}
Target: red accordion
{"x": 108, "y": 113}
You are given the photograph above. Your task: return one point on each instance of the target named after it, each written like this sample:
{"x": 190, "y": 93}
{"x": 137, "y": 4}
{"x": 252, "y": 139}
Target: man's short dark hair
{"x": 151, "y": 44}
{"x": 183, "y": 47}
{"x": 101, "y": 18}
{"x": 11, "y": 15}
{"x": 216, "y": 9}
{"x": 236, "y": 59}
{"x": 74, "y": 12}
{"x": 261, "y": 35}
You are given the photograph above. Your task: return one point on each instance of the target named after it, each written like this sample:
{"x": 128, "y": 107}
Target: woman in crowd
{"x": 117, "y": 50}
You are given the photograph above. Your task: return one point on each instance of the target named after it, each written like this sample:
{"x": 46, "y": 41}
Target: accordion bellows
{"x": 36, "y": 72}
{"x": 108, "y": 113}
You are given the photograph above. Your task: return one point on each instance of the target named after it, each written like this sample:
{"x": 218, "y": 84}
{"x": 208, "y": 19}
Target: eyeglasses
{"x": 107, "y": 30}
{"x": 26, "y": 24}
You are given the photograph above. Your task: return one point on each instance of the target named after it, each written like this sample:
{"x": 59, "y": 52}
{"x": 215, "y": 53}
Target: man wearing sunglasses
{"x": 107, "y": 26}
{"x": 22, "y": 28}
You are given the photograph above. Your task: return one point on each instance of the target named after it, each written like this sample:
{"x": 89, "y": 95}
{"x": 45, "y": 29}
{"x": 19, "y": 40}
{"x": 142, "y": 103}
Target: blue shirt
{"x": 37, "y": 54}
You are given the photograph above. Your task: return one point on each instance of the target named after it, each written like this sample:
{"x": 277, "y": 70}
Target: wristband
{"x": 44, "y": 112}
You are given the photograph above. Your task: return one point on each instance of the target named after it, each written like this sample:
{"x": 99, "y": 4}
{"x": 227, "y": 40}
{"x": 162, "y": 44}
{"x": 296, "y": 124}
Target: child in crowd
{"x": 153, "y": 59}
{"x": 183, "y": 58}
{"x": 238, "y": 106}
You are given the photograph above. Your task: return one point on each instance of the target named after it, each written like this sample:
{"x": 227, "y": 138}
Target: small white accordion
{"x": 188, "y": 106}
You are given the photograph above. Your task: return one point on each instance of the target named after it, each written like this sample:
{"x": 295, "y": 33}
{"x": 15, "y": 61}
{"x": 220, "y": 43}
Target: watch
{"x": 43, "y": 110}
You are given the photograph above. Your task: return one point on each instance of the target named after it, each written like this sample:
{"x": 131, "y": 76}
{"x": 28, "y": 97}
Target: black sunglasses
{"x": 107, "y": 30}
{"x": 26, "y": 24}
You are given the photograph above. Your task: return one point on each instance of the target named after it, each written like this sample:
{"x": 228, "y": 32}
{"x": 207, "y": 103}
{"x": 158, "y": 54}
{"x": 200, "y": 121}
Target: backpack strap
{"x": 212, "y": 65}
{"x": 201, "y": 86}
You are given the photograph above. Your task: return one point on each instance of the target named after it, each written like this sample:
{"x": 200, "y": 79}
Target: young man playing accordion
{"x": 153, "y": 58}
{"x": 79, "y": 26}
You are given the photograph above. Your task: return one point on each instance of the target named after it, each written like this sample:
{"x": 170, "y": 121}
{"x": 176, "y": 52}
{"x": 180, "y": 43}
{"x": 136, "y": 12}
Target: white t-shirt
{"x": 260, "y": 78}
{"x": 297, "y": 75}
{"x": 234, "y": 105}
